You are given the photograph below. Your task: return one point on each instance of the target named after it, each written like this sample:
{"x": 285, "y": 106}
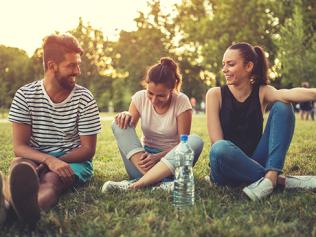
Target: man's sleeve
{"x": 19, "y": 111}
{"x": 89, "y": 117}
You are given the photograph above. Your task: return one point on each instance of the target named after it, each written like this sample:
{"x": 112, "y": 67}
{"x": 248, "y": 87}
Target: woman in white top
{"x": 165, "y": 114}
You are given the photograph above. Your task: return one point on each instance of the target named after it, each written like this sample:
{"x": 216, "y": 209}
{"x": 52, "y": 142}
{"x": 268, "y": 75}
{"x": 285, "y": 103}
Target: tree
{"x": 96, "y": 65}
{"x": 14, "y": 64}
{"x": 310, "y": 60}
{"x": 134, "y": 52}
{"x": 208, "y": 27}
{"x": 292, "y": 43}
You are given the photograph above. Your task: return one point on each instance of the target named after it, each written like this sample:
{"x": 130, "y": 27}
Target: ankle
{"x": 281, "y": 180}
{"x": 272, "y": 176}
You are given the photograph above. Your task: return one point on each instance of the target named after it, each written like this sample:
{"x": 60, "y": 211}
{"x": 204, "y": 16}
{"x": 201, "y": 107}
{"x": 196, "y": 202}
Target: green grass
{"x": 218, "y": 211}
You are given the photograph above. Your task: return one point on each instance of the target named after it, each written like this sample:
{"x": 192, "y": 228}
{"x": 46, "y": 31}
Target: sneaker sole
{"x": 24, "y": 185}
{"x": 250, "y": 194}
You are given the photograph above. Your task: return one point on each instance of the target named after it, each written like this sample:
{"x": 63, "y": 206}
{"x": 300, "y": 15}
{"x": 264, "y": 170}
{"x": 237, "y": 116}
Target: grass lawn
{"x": 218, "y": 211}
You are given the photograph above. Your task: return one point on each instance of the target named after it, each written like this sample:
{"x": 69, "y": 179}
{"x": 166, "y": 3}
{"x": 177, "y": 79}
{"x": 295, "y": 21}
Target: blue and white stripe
{"x": 55, "y": 127}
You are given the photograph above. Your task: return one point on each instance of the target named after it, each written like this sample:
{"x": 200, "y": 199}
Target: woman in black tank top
{"x": 240, "y": 152}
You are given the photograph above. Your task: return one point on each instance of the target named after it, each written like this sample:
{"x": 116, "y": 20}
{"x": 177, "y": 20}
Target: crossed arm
{"x": 21, "y": 137}
{"x": 145, "y": 161}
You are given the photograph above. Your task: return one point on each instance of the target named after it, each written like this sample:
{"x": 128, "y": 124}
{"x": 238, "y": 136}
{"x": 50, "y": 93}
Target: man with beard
{"x": 55, "y": 123}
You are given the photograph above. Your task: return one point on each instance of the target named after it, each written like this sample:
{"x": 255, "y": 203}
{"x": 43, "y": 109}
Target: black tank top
{"x": 242, "y": 121}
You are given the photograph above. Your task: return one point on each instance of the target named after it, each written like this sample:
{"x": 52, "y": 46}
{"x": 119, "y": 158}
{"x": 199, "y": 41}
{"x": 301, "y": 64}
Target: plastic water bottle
{"x": 183, "y": 192}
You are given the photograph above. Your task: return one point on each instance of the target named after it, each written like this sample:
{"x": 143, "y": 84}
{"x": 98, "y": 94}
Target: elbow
{"x": 91, "y": 153}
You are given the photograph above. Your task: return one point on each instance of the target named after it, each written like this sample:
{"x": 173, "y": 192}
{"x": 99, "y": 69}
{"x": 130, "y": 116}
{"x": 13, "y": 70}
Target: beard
{"x": 66, "y": 82}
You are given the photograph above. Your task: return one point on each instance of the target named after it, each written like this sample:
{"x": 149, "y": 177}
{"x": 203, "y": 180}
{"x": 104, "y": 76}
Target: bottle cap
{"x": 184, "y": 137}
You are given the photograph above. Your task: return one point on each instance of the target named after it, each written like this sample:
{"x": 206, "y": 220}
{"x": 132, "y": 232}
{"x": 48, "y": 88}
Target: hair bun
{"x": 166, "y": 61}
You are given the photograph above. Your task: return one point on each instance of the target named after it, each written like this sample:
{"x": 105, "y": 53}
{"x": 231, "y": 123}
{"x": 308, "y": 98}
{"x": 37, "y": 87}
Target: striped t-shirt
{"x": 56, "y": 127}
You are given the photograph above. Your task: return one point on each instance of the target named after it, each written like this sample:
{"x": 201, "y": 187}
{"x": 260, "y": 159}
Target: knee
{"x": 115, "y": 127}
{"x": 286, "y": 109}
{"x": 222, "y": 152}
{"x": 196, "y": 143}
{"x": 219, "y": 154}
{"x": 219, "y": 149}
{"x": 117, "y": 131}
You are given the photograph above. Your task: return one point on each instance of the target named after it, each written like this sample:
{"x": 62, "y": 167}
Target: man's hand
{"x": 147, "y": 160}
{"x": 62, "y": 169}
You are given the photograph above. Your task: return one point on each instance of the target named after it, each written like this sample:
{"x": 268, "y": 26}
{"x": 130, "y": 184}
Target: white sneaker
{"x": 165, "y": 186}
{"x": 3, "y": 212}
{"x": 259, "y": 189}
{"x": 302, "y": 182}
{"x": 207, "y": 179}
{"x": 112, "y": 185}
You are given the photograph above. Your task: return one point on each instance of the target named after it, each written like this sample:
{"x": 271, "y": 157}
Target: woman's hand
{"x": 123, "y": 119}
{"x": 135, "y": 185}
{"x": 147, "y": 160}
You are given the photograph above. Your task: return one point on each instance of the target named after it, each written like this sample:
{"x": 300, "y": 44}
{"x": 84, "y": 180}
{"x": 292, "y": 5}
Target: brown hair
{"x": 56, "y": 46}
{"x": 254, "y": 54}
{"x": 166, "y": 72}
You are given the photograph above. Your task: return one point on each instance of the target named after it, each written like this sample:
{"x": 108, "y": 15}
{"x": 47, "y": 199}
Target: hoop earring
{"x": 252, "y": 80}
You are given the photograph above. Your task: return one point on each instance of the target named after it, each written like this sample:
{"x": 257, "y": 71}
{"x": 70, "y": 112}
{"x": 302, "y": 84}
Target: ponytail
{"x": 260, "y": 70}
{"x": 254, "y": 54}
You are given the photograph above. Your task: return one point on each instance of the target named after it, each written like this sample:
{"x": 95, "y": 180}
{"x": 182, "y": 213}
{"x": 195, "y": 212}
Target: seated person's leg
{"x": 50, "y": 189}
{"x": 196, "y": 143}
{"x": 275, "y": 141}
{"x": 23, "y": 190}
{"x": 130, "y": 148}
{"x": 166, "y": 166}
{"x": 231, "y": 166}
{"x": 154, "y": 175}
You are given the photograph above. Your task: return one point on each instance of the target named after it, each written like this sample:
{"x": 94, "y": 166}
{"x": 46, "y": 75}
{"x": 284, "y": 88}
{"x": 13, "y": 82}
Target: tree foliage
{"x": 14, "y": 68}
{"x": 195, "y": 33}
{"x": 296, "y": 49}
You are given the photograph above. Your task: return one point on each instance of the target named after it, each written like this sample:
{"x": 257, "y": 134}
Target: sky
{"x": 24, "y": 23}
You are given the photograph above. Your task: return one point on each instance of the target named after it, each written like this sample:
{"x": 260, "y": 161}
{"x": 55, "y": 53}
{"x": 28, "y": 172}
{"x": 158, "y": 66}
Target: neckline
{"x": 247, "y": 98}
{"x": 49, "y": 99}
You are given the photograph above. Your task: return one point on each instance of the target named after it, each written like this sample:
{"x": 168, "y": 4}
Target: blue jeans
{"x": 231, "y": 166}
